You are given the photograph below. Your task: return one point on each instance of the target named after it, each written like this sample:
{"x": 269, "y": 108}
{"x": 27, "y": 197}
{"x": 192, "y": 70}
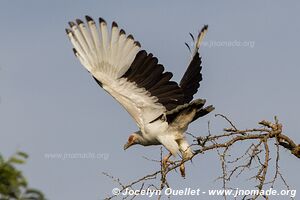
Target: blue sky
{"x": 50, "y": 104}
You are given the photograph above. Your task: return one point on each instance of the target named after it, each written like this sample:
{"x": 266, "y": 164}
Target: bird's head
{"x": 134, "y": 138}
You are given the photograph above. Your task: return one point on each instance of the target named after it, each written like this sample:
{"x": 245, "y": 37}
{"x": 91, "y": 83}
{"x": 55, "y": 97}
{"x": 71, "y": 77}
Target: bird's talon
{"x": 166, "y": 162}
{"x": 182, "y": 170}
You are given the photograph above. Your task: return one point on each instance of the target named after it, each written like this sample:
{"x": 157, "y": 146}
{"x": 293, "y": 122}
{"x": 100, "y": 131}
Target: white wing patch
{"x": 137, "y": 101}
{"x": 108, "y": 56}
{"x": 95, "y": 49}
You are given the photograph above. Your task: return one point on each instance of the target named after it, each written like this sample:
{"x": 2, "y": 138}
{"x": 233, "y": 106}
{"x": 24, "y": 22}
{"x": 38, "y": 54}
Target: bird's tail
{"x": 198, "y": 105}
{"x": 203, "y": 111}
{"x": 195, "y": 106}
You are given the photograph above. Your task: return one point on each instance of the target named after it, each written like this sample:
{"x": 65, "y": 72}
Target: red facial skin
{"x": 131, "y": 139}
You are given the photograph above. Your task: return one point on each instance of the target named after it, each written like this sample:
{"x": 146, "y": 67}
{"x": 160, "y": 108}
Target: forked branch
{"x": 257, "y": 156}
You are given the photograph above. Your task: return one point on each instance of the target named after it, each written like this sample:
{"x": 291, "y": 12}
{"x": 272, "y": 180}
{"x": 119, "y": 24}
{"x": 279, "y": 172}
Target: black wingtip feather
{"x": 205, "y": 27}
{"x": 122, "y": 32}
{"x": 68, "y": 31}
{"x": 72, "y": 24}
{"x": 192, "y": 37}
{"x": 79, "y": 21}
{"x": 188, "y": 46}
{"x": 101, "y": 20}
{"x": 75, "y": 52}
{"x": 137, "y": 43}
{"x": 88, "y": 18}
{"x": 130, "y": 37}
{"x": 114, "y": 24}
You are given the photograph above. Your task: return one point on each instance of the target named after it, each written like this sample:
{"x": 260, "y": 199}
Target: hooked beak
{"x": 126, "y": 146}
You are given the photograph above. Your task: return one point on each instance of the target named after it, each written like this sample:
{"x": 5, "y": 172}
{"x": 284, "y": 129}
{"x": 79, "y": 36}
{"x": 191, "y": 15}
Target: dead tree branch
{"x": 256, "y": 157}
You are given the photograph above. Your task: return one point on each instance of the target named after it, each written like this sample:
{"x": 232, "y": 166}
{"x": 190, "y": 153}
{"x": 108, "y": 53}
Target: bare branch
{"x": 256, "y": 157}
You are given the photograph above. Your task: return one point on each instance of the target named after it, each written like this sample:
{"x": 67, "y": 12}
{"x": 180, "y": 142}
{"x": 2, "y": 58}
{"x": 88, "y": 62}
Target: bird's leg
{"x": 166, "y": 160}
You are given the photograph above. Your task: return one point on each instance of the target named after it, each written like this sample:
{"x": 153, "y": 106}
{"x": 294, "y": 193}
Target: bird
{"x": 161, "y": 107}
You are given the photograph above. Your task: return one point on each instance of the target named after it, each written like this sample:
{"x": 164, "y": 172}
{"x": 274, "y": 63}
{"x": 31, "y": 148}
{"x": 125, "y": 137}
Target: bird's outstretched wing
{"x": 190, "y": 81}
{"x": 132, "y": 76}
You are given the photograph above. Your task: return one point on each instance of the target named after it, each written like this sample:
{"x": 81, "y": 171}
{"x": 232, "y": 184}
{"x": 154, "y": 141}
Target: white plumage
{"x": 161, "y": 108}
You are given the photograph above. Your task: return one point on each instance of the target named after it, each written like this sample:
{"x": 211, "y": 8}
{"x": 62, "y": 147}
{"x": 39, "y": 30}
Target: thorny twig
{"x": 257, "y": 156}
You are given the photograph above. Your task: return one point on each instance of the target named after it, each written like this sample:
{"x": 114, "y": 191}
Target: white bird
{"x": 162, "y": 109}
